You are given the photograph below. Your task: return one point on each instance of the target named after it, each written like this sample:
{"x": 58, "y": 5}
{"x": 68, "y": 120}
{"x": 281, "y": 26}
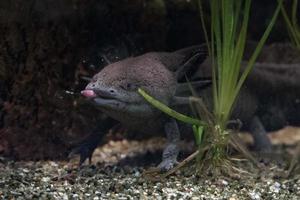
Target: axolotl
{"x": 269, "y": 99}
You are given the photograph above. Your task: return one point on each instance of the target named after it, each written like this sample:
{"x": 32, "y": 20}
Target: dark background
{"x": 46, "y": 47}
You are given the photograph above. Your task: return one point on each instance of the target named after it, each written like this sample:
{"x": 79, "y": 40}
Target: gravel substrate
{"x": 55, "y": 180}
{"x": 106, "y": 179}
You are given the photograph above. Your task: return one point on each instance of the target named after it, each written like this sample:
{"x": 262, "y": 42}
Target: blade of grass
{"x": 291, "y": 23}
{"x": 169, "y": 111}
{"x": 203, "y": 26}
{"x": 198, "y": 133}
{"x": 237, "y": 55}
{"x": 257, "y": 51}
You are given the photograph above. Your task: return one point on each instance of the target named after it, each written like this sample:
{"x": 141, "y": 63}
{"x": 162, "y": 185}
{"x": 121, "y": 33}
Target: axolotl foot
{"x": 170, "y": 153}
{"x": 166, "y": 165}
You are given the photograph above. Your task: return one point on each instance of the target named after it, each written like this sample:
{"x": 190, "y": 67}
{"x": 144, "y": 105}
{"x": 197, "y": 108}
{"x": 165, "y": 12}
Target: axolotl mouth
{"x": 88, "y": 93}
{"x": 104, "y": 98}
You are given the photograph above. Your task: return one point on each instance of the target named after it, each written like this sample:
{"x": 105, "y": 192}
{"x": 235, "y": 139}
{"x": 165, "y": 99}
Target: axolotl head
{"x": 114, "y": 88}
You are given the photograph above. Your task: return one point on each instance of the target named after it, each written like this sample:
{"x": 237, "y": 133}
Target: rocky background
{"x": 48, "y": 47}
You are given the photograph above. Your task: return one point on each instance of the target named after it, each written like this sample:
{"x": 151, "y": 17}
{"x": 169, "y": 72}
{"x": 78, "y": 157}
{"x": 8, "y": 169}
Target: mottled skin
{"x": 270, "y": 90}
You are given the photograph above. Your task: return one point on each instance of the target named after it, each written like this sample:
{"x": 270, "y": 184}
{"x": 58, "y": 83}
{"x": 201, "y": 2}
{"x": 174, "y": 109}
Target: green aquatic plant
{"x": 226, "y": 45}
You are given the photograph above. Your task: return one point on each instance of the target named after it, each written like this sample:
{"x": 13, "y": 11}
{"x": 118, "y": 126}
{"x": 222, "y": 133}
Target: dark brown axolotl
{"x": 271, "y": 94}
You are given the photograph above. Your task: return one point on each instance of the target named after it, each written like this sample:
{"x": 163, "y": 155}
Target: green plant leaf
{"x": 162, "y": 107}
{"x": 291, "y": 23}
{"x": 257, "y": 51}
{"x": 198, "y": 133}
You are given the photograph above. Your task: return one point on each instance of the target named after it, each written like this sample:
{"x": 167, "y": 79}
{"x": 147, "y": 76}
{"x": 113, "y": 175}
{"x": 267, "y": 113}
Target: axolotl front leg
{"x": 170, "y": 153}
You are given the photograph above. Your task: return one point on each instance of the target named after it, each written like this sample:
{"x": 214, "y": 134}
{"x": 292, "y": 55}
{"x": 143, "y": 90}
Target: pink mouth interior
{"x": 88, "y": 93}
